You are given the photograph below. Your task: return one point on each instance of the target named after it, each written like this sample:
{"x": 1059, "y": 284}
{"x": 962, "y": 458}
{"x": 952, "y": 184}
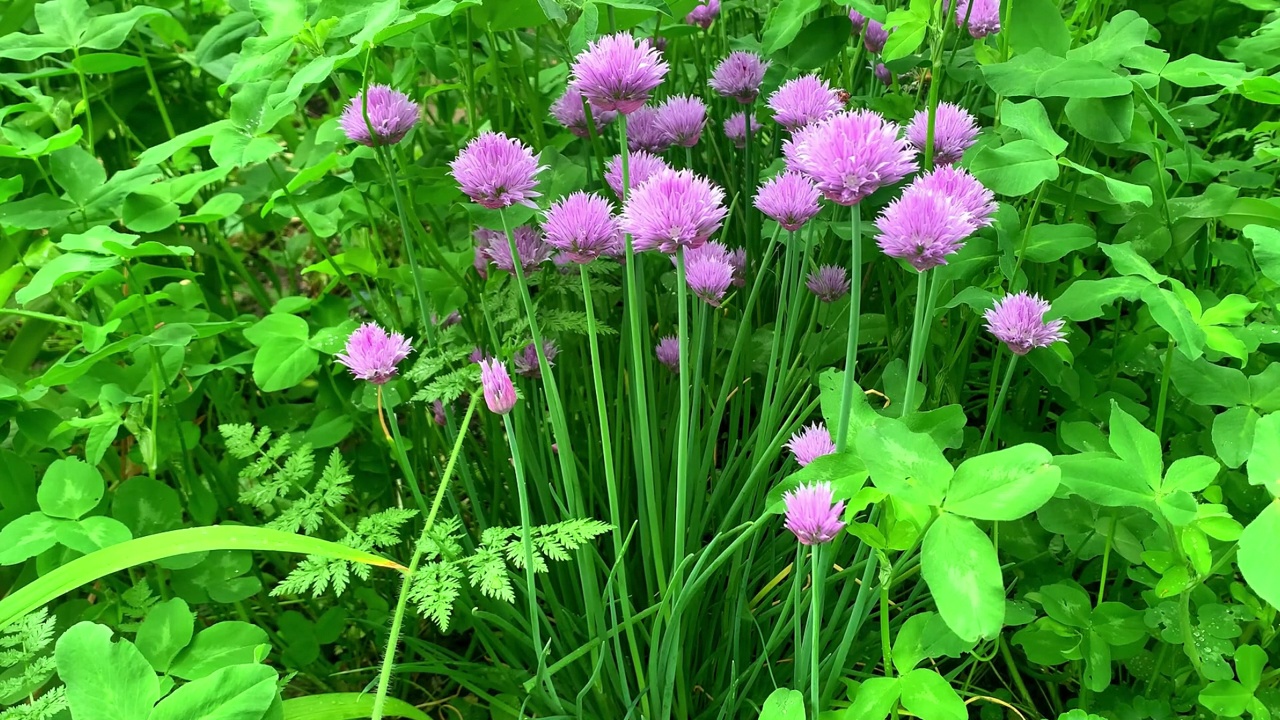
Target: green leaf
{"x": 70, "y": 488}
{"x": 904, "y": 464}
{"x": 875, "y": 698}
{"x": 1031, "y": 120}
{"x": 783, "y": 704}
{"x": 1078, "y": 78}
{"x": 1105, "y": 480}
{"x": 784, "y": 23}
{"x": 238, "y": 692}
{"x": 1264, "y": 461}
{"x": 1049, "y": 243}
{"x": 1233, "y": 435}
{"x": 105, "y": 680}
{"x": 1037, "y": 24}
{"x": 1014, "y": 169}
{"x": 1172, "y": 315}
{"x": 346, "y": 706}
{"x": 81, "y": 571}
{"x": 1003, "y": 485}
{"x": 1257, "y": 557}
{"x": 27, "y": 536}
{"x": 1104, "y": 120}
{"x": 165, "y": 631}
{"x": 928, "y": 695}
{"x": 1136, "y": 445}
{"x": 960, "y": 566}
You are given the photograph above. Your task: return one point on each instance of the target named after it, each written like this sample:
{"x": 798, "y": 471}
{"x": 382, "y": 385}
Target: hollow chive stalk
{"x": 855, "y": 318}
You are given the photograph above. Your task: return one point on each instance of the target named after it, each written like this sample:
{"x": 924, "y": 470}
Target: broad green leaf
{"x": 1104, "y": 120}
{"x": 86, "y": 569}
{"x": 874, "y": 700}
{"x": 783, "y": 704}
{"x": 904, "y": 464}
{"x": 1136, "y": 445}
{"x": 70, "y": 488}
{"x": 166, "y": 630}
{"x": 1031, "y": 120}
{"x": 105, "y": 680}
{"x": 1014, "y": 169}
{"x": 928, "y": 696}
{"x": 1257, "y": 557}
{"x": 1172, "y": 315}
{"x": 27, "y": 536}
{"x": 959, "y": 564}
{"x": 1037, "y": 24}
{"x": 1264, "y": 460}
{"x": 1049, "y": 243}
{"x": 238, "y": 692}
{"x": 1233, "y": 435}
{"x": 1003, "y": 485}
{"x": 346, "y": 706}
{"x": 1105, "y": 480}
{"x": 1078, "y": 78}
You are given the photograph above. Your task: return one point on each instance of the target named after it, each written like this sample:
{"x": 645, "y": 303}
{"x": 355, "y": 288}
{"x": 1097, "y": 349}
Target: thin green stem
{"x": 855, "y": 317}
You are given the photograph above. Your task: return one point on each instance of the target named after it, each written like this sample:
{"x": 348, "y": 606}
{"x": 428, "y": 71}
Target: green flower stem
{"x": 815, "y": 625}
{"x": 397, "y": 618}
{"x": 855, "y": 312}
{"x": 682, "y": 430}
{"x": 998, "y": 409}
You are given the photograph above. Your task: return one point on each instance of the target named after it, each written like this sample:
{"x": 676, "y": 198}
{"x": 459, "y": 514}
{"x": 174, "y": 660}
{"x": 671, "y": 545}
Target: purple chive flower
{"x": 984, "y": 19}
{"x": 875, "y": 37}
{"x": 499, "y": 393}
{"x": 858, "y": 19}
{"x": 1018, "y": 322}
{"x": 582, "y": 226}
{"x": 437, "y": 413}
{"x": 810, "y": 516}
{"x": 883, "y": 75}
{"x": 709, "y": 277}
{"x": 681, "y": 119}
{"x": 530, "y": 248}
{"x": 497, "y": 171}
{"x": 617, "y": 73}
{"x": 789, "y": 198}
{"x": 971, "y": 198}
{"x": 391, "y": 113}
{"x": 829, "y": 283}
{"x": 526, "y": 360}
{"x": 371, "y": 354}
{"x": 673, "y": 209}
{"x": 850, "y": 155}
{"x": 641, "y": 166}
{"x": 804, "y": 100}
{"x": 645, "y": 133}
{"x": 735, "y": 128}
{"x": 954, "y": 130}
{"x": 568, "y": 111}
{"x": 922, "y": 228}
{"x": 668, "y": 352}
{"x": 810, "y": 443}
{"x": 703, "y": 13}
{"x": 739, "y": 76}
{"x": 738, "y": 260}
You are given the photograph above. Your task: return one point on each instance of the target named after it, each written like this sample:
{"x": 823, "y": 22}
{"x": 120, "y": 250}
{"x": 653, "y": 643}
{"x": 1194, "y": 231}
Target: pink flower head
{"x": 850, "y": 155}
{"x": 875, "y": 37}
{"x": 972, "y": 199}
{"x": 810, "y": 443}
{"x": 645, "y": 133}
{"x": 789, "y": 198}
{"x": 681, "y": 119}
{"x": 618, "y": 73}
{"x": 883, "y": 75}
{"x": 530, "y": 248}
{"x": 858, "y": 19}
{"x": 954, "y": 130}
{"x": 668, "y": 352}
{"x": 641, "y": 166}
{"x": 804, "y": 100}
{"x": 922, "y": 228}
{"x": 568, "y": 111}
{"x": 739, "y": 76}
{"x": 810, "y": 516}
{"x": 735, "y": 128}
{"x": 371, "y": 354}
{"x": 526, "y": 360}
{"x": 583, "y": 227}
{"x": 1018, "y": 322}
{"x": 703, "y": 14}
{"x": 829, "y": 283}
{"x": 673, "y": 209}
{"x": 391, "y": 113}
{"x": 984, "y": 19}
{"x": 709, "y": 276}
{"x": 497, "y": 171}
{"x": 499, "y": 392}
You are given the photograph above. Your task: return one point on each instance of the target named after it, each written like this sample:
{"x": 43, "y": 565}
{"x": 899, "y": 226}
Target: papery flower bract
{"x": 739, "y": 75}
{"x": 972, "y": 199}
{"x": 568, "y": 111}
{"x": 875, "y": 37}
{"x": 1018, "y": 322}
{"x": 703, "y": 14}
{"x": 583, "y": 227}
{"x": 530, "y": 247}
{"x": 922, "y": 228}
{"x": 850, "y": 155}
{"x": 810, "y": 443}
{"x": 858, "y": 19}
{"x": 789, "y": 198}
{"x": 984, "y": 19}
{"x": 829, "y": 283}
{"x": 810, "y": 514}
{"x": 709, "y": 278}
{"x": 499, "y": 392}
{"x": 644, "y": 132}
{"x": 525, "y": 361}
{"x": 641, "y": 166}
{"x": 681, "y": 119}
{"x": 497, "y": 171}
{"x": 954, "y": 130}
{"x": 391, "y": 113}
{"x": 735, "y": 128}
{"x": 674, "y": 208}
{"x": 668, "y": 352}
{"x": 371, "y": 354}
{"x": 803, "y": 100}
{"x": 883, "y": 74}
{"x": 618, "y": 73}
